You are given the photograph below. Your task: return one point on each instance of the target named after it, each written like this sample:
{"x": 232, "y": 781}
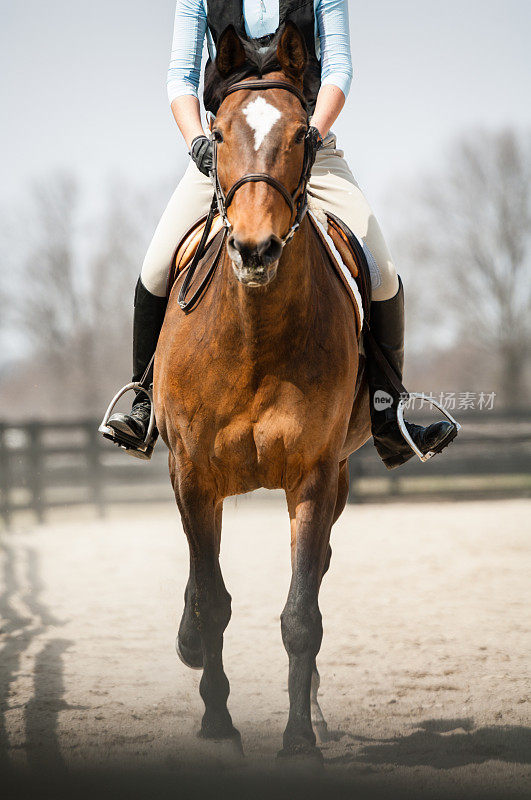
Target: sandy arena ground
{"x": 424, "y": 663}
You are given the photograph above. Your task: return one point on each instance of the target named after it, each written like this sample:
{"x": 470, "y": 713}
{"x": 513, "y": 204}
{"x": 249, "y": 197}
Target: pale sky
{"x": 83, "y": 87}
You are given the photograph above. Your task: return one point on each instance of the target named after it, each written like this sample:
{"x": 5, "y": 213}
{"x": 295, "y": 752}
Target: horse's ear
{"x": 230, "y": 54}
{"x": 291, "y": 51}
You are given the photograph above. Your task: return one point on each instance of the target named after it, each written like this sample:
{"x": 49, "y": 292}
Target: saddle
{"x": 348, "y": 260}
{"x": 344, "y": 252}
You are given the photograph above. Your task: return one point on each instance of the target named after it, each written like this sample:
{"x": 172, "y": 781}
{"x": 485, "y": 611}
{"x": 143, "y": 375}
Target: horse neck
{"x": 287, "y": 300}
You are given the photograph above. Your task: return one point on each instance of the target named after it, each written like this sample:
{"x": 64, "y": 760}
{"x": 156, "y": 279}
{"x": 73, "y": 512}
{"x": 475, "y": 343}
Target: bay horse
{"x": 258, "y": 388}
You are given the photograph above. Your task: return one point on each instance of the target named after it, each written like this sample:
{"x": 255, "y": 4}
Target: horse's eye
{"x": 300, "y": 135}
{"x": 217, "y": 135}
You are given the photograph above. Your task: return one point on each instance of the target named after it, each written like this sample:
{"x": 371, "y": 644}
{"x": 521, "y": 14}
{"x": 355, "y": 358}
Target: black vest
{"x": 221, "y": 13}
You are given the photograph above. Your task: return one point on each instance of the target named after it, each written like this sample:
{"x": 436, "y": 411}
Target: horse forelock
{"x": 259, "y": 61}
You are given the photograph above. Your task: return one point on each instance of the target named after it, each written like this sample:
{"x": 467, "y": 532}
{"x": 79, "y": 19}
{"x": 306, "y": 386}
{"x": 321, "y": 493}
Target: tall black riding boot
{"x": 147, "y": 323}
{"x": 387, "y": 326}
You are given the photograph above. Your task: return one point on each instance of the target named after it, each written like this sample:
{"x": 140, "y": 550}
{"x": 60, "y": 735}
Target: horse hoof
{"x": 224, "y": 752}
{"x": 222, "y": 733}
{"x": 322, "y": 732}
{"x": 190, "y": 658}
{"x": 301, "y": 753}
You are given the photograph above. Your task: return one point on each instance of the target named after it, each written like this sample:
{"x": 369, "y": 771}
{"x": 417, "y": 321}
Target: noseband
{"x": 297, "y": 201}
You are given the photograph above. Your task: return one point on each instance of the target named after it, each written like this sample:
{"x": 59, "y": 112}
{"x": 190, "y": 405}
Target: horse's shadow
{"x": 448, "y": 743}
{"x": 20, "y": 632}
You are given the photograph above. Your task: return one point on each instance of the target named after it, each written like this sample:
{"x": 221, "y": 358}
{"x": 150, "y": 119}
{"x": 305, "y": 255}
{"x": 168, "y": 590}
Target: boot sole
{"x": 397, "y": 461}
{"x": 448, "y": 439}
{"x": 121, "y": 426}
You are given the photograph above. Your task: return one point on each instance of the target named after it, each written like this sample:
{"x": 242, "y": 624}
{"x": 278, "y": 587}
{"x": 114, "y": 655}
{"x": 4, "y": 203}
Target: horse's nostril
{"x": 255, "y": 255}
{"x": 236, "y": 244}
{"x": 270, "y": 250}
{"x": 236, "y": 249}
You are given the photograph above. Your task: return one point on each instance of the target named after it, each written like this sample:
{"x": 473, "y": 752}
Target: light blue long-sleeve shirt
{"x": 261, "y": 18}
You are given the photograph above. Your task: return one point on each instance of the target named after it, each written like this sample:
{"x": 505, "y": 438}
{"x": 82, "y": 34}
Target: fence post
{"x": 95, "y": 467}
{"x": 5, "y": 478}
{"x": 36, "y": 483}
{"x": 394, "y": 484}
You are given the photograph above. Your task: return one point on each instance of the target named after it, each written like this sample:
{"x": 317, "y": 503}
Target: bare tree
{"x": 3, "y": 315}
{"x": 52, "y": 306}
{"x": 48, "y": 298}
{"x": 473, "y": 234}
{"x": 113, "y": 271}
{"x": 70, "y": 288}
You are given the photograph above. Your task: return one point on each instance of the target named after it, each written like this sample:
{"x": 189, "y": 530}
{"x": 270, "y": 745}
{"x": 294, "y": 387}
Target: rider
{"x": 332, "y": 187}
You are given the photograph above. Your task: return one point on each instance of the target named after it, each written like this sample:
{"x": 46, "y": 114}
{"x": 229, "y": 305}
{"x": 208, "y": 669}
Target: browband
{"x": 265, "y": 84}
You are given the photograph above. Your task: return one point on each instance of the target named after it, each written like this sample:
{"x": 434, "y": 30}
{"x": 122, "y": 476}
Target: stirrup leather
{"x": 404, "y": 431}
{"x": 139, "y": 448}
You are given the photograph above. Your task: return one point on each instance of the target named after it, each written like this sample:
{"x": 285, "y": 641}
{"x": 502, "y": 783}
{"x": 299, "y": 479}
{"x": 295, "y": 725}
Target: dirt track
{"x": 424, "y": 664}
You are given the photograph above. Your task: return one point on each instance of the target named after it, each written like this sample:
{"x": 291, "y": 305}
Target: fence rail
{"x": 46, "y": 465}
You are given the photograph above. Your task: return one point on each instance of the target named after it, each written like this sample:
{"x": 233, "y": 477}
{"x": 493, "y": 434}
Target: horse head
{"x": 260, "y": 137}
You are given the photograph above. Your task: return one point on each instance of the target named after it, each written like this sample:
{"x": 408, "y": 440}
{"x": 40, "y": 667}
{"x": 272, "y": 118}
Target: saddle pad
{"x": 343, "y": 261}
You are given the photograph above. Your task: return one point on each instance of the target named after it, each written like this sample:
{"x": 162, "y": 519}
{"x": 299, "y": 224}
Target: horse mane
{"x": 259, "y": 61}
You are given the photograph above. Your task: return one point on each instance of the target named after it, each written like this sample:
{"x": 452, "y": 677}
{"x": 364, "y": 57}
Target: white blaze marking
{"x": 261, "y": 116}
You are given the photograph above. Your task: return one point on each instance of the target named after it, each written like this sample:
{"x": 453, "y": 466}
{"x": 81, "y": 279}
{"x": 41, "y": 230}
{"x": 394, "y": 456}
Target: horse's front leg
{"x": 318, "y": 721}
{"x": 207, "y": 604}
{"x": 311, "y": 508}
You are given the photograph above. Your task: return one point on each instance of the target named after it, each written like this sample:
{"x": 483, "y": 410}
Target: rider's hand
{"x": 315, "y": 137}
{"x": 202, "y": 152}
{"x": 316, "y": 142}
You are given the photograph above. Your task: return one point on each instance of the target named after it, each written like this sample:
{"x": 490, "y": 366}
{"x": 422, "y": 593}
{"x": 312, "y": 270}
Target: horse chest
{"x": 257, "y": 404}
{"x": 258, "y": 452}
{"x": 268, "y": 439}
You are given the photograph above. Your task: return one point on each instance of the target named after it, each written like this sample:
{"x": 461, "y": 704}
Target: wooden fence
{"x": 47, "y": 465}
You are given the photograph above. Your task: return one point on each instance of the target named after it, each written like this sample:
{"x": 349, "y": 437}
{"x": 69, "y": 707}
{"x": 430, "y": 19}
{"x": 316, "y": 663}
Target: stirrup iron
{"x": 134, "y": 447}
{"x": 404, "y": 431}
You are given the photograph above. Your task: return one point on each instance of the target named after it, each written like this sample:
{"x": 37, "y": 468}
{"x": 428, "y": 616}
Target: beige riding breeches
{"x": 332, "y": 187}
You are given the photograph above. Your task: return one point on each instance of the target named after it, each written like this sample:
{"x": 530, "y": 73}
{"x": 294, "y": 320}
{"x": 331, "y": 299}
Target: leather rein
{"x": 297, "y": 200}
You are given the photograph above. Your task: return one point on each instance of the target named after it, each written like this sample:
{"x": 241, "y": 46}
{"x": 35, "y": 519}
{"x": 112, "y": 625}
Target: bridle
{"x": 297, "y": 200}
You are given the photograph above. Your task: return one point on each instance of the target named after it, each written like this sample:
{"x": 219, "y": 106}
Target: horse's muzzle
{"x": 255, "y": 264}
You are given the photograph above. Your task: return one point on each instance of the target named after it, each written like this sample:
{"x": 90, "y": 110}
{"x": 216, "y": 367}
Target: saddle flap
{"x": 342, "y": 246}
{"x": 204, "y": 270}
{"x": 187, "y": 247}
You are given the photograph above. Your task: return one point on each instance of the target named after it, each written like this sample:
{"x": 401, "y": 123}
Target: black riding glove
{"x": 202, "y": 152}
{"x": 315, "y": 143}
